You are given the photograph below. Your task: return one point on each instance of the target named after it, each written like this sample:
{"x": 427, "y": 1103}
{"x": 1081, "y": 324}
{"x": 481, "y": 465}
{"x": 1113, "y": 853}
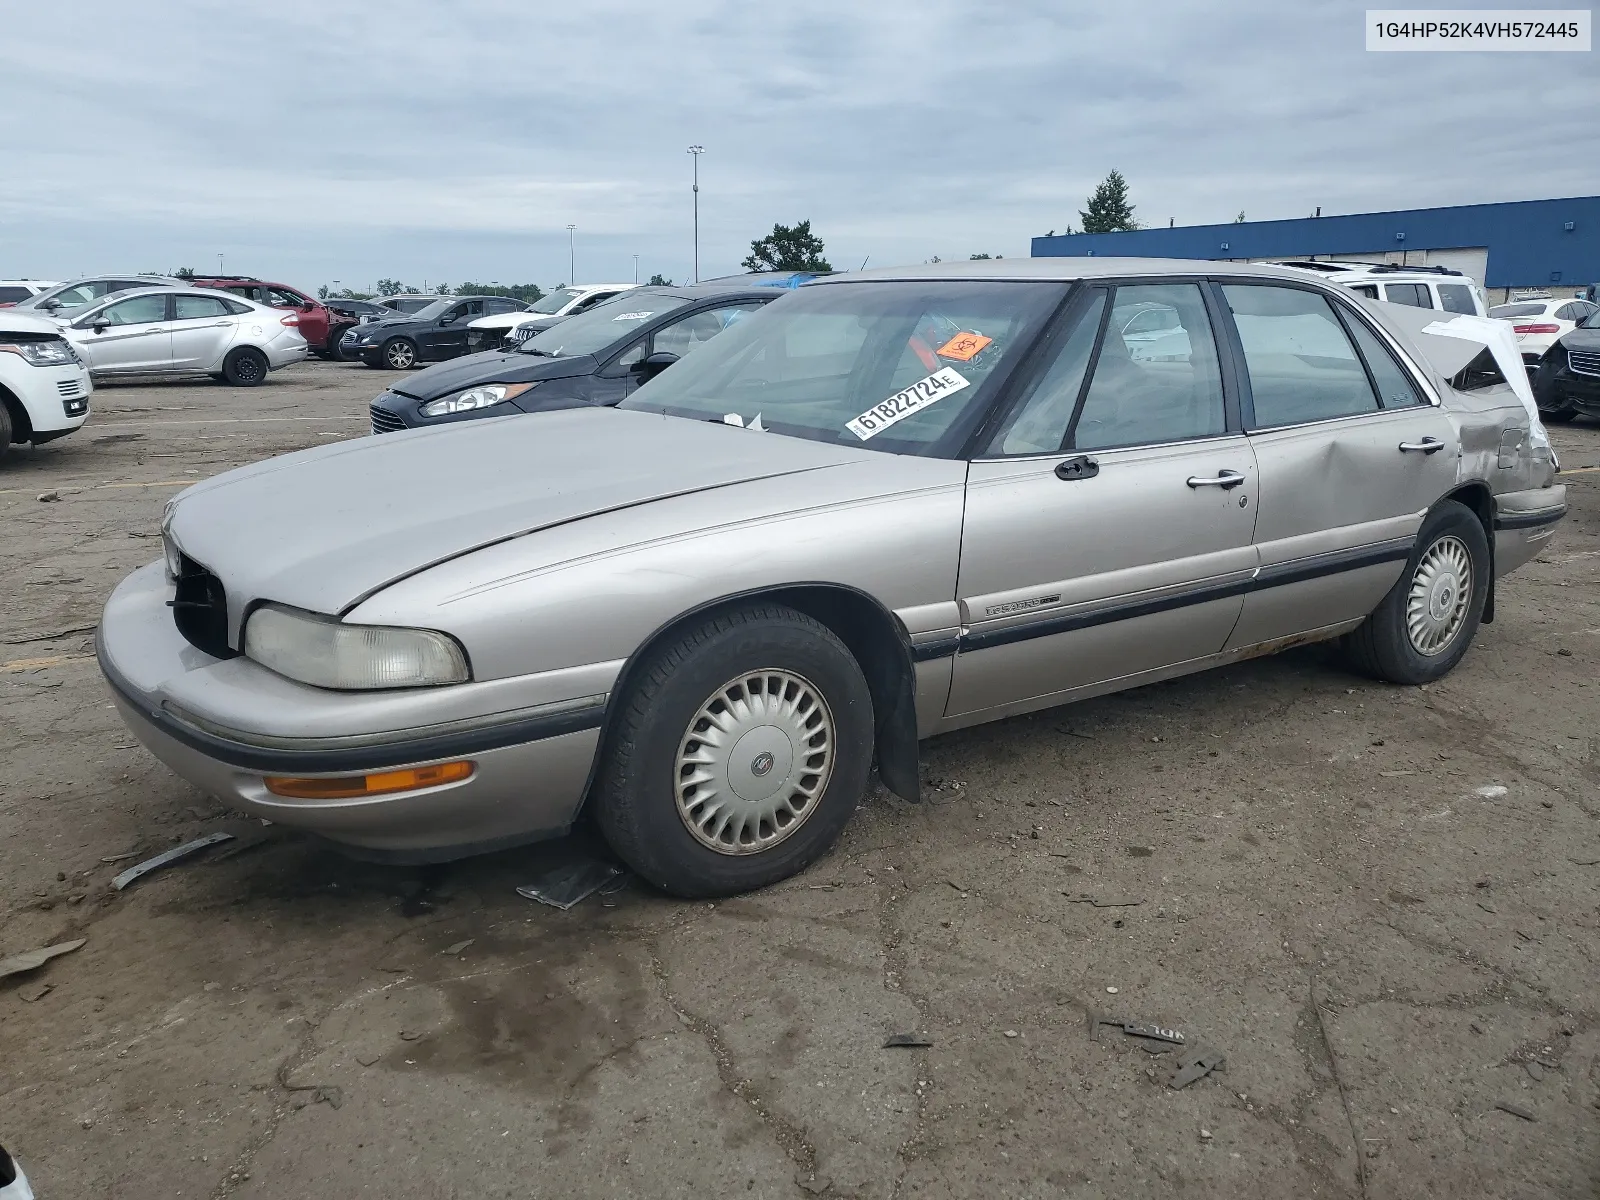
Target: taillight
{"x": 291, "y": 320}
{"x": 1540, "y": 328}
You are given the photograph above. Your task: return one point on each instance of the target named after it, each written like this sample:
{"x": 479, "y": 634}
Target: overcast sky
{"x": 313, "y": 142}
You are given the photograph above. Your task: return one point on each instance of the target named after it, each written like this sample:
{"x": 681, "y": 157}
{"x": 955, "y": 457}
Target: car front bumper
{"x": 56, "y": 397}
{"x": 531, "y": 762}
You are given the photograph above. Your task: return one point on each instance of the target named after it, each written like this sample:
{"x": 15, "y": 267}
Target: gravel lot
{"x": 1381, "y": 904}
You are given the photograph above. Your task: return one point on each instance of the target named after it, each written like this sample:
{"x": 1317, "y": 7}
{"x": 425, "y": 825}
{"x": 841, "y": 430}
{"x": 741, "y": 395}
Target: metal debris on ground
{"x": 30, "y": 960}
{"x": 1196, "y": 1063}
{"x": 167, "y": 858}
{"x": 1516, "y": 1110}
{"x": 573, "y": 882}
{"x": 458, "y": 947}
{"x": 1085, "y": 898}
{"x": 910, "y": 1041}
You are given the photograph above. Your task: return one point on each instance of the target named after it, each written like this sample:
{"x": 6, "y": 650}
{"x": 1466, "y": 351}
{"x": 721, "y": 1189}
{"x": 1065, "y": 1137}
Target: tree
{"x": 184, "y": 273}
{"x": 787, "y": 248}
{"x": 526, "y": 292}
{"x": 977, "y": 257}
{"x": 1239, "y": 220}
{"x": 392, "y": 287}
{"x": 1109, "y": 210}
{"x": 322, "y": 292}
{"x": 660, "y": 281}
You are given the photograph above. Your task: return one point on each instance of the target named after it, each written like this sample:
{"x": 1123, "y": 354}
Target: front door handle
{"x": 1428, "y": 445}
{"x": 1079, "y": 466}
{"x": 1222, "y": 479}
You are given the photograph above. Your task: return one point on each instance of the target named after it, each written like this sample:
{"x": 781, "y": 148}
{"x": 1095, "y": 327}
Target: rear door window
{"x": 1395, "y": 388}
{"x": 1414, "y": 294}
{"x": 193, "y": 308}
{"x": 1301, "y": 364}
{"x": 1456, "y": 298}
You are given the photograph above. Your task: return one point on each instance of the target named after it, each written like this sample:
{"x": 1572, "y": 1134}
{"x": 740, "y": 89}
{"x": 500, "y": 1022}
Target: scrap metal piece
{"x": 1516, "y": 1110}
{"x": 568, "y": 884}
{"x": 1196, "y": 1063}
{"x": 167, "y": 858}
{"x": 1154, "y": 1031}
{"x": 30, "y": 960}
{"x": 910, "y": 1040}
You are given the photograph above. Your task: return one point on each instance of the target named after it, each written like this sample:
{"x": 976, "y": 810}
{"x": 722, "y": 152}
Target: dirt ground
{"x": 1379, "y": 903}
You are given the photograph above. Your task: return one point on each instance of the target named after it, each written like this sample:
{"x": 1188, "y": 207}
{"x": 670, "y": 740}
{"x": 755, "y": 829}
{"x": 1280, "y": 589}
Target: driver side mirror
{"x": 448, "y": 319}
{"x": 308, "y": 306}
{"x": 656, "y": 363}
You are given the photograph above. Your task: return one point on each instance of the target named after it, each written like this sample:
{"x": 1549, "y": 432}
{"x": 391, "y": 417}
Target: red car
{"x": 321, "y": 327}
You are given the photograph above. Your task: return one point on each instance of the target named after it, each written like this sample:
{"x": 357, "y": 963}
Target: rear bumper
{"x": 1525, "y": 523}
{"x": 531, "y": 764}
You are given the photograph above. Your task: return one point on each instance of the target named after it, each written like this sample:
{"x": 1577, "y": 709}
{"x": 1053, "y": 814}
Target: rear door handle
{"x": 1079, "y": 466}
{"x": 1222, "y": 479}
{"x": 1428, "y": 445}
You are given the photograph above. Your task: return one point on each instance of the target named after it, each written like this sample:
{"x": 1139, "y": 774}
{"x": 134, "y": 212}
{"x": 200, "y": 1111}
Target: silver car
{"x": 184, "y": 331}
{"x": 887, "y": 506}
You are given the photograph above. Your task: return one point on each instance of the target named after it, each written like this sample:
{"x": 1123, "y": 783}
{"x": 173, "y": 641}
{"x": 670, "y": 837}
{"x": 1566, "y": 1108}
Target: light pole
{"x": 219, "y": 264}
{"x": 636, "y": 268}
{"x": 695, "y": 152}
{"x": 572, "y": 275}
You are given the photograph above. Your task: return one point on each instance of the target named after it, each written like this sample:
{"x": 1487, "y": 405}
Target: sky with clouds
{"x": 312, "y": 142}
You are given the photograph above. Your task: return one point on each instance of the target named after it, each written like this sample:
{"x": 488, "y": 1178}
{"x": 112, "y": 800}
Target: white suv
{"x": 1419, "y": 287}
{"x": 44, "y": 386}
{"x": 487, "y": 332}
{"x": 15, "y": 291}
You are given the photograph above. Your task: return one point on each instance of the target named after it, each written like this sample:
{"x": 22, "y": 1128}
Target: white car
{"x": 13, "y": 1183}
{"x": 1420, "y": 287}
{"x": 14, "y": 291}
{"x": 44, "y": 386}
{"x": 487, "y": 332}
{"x": 1538, "y": 324}
{"x": 185, "y": 331}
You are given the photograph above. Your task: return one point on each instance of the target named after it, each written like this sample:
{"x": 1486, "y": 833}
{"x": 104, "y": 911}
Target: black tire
{"x": 246, "y": 367}
{"x": 1558, "y": 416}
{"x": 6, "y": 431}
{"x": 1554, "y": 406}
{"x": 398, "y": 354}
{"x": 636, "y": 794}
{"x": 1383, "y": 646}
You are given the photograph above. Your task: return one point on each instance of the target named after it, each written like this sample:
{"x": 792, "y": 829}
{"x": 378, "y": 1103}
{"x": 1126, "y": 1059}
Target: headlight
{"x": 331, "y": 654}
{"x": 481, "y": 396}
{"x": 55, "y": 353}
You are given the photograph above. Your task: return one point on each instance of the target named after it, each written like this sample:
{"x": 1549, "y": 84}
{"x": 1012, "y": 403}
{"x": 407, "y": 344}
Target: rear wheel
{"x": 245, "y": 367}
{"x": 399, "y": 354}
{"x": 1424, "y": 625}
{"x": 739, "y": 753}
{"x": 5, "y": 431}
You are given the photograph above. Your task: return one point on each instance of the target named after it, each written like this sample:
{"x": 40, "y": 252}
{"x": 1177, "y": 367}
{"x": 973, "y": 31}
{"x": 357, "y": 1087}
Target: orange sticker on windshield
{"x": 964, "y": 347}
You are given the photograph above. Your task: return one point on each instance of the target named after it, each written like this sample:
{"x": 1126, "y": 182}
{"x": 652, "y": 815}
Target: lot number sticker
{"x": 944, "y": 382}
{"x": 639, "y": 316}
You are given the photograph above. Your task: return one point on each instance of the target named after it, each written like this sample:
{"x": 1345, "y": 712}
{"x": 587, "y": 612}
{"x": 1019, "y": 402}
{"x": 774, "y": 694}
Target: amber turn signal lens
{"x": 345, "y": 787}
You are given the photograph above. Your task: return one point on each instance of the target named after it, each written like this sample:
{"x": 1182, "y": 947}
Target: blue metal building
{"x": 1553, "y": 244}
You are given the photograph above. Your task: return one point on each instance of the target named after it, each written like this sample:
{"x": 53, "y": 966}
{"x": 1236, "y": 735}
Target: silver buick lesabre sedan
{"x": 887, "y": 506}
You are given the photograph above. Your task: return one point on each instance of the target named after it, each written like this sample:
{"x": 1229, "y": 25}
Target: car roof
{"x": 1061, "y": 270}
{"x": 708, "y": 291}
{"x": 596, "y": 287}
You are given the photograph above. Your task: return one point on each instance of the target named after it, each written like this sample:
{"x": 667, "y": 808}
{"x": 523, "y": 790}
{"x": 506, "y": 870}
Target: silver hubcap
{"x": 754, "y": 762}
{"x": 400, "y": 355}
{"x": 1436, "y": 607}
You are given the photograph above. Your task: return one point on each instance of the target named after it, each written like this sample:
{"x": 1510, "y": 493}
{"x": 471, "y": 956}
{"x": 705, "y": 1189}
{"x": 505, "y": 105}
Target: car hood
{"x": 22, "y": 320}
{"x": 491, "y": 366}
{"x": 394, "y": 325}
{"x": 327, "y": 527}
{"x": 1581, "y": 339}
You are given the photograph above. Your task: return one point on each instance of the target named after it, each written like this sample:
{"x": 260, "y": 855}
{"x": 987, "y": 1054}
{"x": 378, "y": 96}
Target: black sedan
{"x": 1568, "y": 380}
{"x": 434, "y": 332}
{"x": 596, "y": 358}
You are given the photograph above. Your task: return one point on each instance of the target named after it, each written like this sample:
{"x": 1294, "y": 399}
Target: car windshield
{"x": 431, "y": 311}
{"x": 1592, "y": 321}
{"x": 69, "y": 298}
{"x": 1507, "y": 311}
{"x": 411, "y": 304}
{"x": 906, "y": 368}
{"x": 603, "y": 325}
{"x": 555, "y": 301}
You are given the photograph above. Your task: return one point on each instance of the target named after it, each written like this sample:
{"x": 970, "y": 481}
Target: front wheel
{"x": 399, "y": 354}
{"x": 738, "y": 755}
{"x": 245, "y": 367}
{"x": 1425, "y": 624}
